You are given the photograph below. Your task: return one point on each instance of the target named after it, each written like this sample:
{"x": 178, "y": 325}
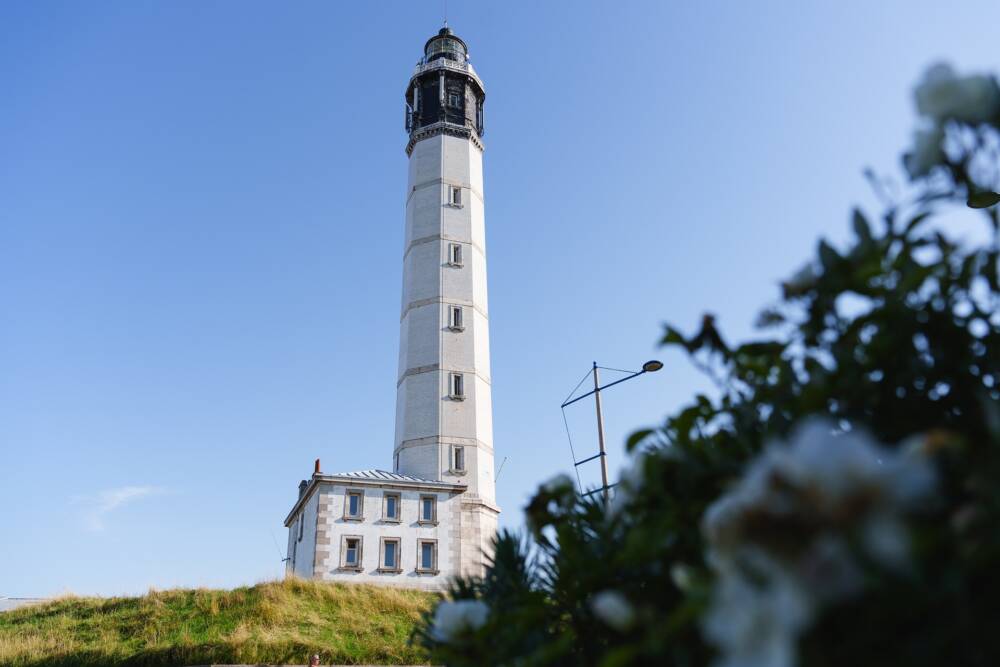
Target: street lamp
{"x": 650, "y": 366}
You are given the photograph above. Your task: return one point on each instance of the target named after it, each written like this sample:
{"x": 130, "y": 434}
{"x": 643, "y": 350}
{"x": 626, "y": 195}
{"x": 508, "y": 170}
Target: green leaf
{"x": 769, "y": 317}
{"x": 916, "y": 220}
{"x": 636, "y": 438}
{"x": 766, "y": 348}
{"x": 983, "y": 199}
{"x": 672, "y": 336}
{"x": 861, "y": 227}
{"x": 827, "y": 255}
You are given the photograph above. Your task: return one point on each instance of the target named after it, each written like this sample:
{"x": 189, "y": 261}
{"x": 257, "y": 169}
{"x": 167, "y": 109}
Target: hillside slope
{"x": 275, "y": 622}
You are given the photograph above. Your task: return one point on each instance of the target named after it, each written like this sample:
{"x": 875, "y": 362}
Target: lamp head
{"x": 652, "y": 366}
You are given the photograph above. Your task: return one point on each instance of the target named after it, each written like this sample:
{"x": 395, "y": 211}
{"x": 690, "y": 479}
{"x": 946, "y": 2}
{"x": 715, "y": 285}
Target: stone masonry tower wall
{"x": 444, "y": 414}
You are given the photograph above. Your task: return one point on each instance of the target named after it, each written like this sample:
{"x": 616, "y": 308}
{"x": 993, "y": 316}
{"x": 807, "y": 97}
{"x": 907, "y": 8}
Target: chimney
{"x": 302, "y": 488}
{"x": 316, "y": 470}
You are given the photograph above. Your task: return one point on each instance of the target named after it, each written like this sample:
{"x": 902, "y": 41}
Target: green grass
{"x": 274, "y": 622}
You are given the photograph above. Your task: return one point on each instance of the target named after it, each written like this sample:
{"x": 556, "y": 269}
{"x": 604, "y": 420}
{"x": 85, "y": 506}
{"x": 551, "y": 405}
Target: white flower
{"x": 453, "y": 618}
{"x": 927, "y": 151}
{"x": 779, "y": 539}
{"x": 822, "y": 475}
{"x": 886, "y": 541}
{"x": 942, "y": 95}
{"x": 614, "y": 609}
{"x": 827, "y": 570}
{"x": 557, "y": 483}
{"x": 755, "y": 621}
{"x": 682, "y": 576}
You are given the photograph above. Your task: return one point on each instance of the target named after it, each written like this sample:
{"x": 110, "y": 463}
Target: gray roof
{"x": 376, "y": 476}
{"x": 383, "y": 476}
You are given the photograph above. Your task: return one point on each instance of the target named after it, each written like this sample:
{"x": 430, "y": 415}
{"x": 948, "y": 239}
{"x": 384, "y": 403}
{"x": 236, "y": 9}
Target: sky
{"x": 201, "y": 230}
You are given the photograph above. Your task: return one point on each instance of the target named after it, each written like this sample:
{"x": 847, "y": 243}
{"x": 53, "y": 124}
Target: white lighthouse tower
{"x": 444, "y": 414}
{"x": 436, "y": 510}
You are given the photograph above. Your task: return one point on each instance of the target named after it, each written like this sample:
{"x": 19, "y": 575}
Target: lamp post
{"x": 650, "y": 366}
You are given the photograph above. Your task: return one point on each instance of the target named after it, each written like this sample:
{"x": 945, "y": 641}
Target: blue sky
{"x": 201, "y": 218}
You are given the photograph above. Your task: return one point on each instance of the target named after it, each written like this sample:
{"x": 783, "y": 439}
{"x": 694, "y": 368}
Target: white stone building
{"x": 433, "y": 516}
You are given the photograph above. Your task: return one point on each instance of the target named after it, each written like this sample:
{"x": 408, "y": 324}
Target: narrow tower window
{"x": 457, "y": 386}
{"x": 454, "y": 195}
{"x": 458, "y": 459}
{"x": 455, "y": 254}
{"x": 455, "y": 322}
{"x": 455, "y": 100}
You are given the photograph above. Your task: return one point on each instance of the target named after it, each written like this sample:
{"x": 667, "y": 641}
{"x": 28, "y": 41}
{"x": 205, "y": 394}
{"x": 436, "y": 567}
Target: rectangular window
{"x": 455, "y": 195}
{"x": 390, "y": 555}
{"x": 455, "y": 100}
{"x": 351, "y": 558}
{"x": 458, "y": 459}
{"x": 455, "y": 254}
{"x": 428, "y": 509}
{"x": 457, "y": 386}
{"x": 390, "y": 510}
{"x": 427, "y": 556}
{"x": 301, "y": 525}
{"x": 354, "y": 505}
{"x": 455, "y": 319}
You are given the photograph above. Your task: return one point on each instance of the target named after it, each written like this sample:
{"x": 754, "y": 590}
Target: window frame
{"x": 455, "y": 196}
{"x": 434, "y": 510}
{"x": 302, "y": 517}
{"x": 385, "y": 507}
{"x": 458, "y": 451}
{"x": 344, "y": 565}
{"x": 455, "y": 255}
{"x": 456, "y": 317}
{"x": 434, "y": 569}
{"x": 360, "y": 516}
{"x": 382, "y": 567}
{"x": 456, "y": 386}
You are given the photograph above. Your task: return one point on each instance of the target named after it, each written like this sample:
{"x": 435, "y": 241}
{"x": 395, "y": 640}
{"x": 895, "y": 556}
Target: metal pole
{"x": 600, "y": 434}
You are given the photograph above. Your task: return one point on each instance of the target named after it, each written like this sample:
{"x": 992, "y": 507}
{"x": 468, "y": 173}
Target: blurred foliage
{"x": 897, "y": 335}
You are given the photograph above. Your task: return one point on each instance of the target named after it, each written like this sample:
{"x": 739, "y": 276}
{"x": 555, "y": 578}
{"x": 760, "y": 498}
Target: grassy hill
{"x": 275, "y": 622}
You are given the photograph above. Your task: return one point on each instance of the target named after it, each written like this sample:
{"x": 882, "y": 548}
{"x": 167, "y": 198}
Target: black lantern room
{"x": 445, "y": 93}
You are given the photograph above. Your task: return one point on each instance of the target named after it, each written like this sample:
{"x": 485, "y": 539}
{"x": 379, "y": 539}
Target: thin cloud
{"x": 97, "y": 507}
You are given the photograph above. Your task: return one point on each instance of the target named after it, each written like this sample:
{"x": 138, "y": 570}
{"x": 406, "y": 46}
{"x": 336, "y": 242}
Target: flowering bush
{"x": 838, "y": 502}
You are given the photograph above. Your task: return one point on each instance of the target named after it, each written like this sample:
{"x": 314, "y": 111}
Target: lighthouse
{"x": 444, "y": 413}
{"x": 433, "y": 514}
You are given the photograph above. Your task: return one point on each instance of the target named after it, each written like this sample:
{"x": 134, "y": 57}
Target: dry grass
{"x": 276, "y": 622}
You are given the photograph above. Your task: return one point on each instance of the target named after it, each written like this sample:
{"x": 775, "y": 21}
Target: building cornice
{"x": 442, "y": 440}
{"x": 444, "y": 127}
{"x": 444, "y": 181}
{"x": 434, "y": 368}
{"x": 420, "y": 303}
{"x": 442, "y": 237}
{"x": 341, "y": 480}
